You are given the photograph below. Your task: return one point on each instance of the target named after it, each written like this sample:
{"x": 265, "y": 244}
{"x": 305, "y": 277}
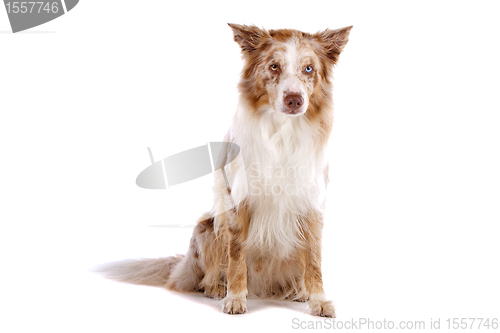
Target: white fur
{"x": 290, "y": 82}
{"x": 235, "y": 303}
{"x": 283, "y": 178}
{"x": 320, "y": 306}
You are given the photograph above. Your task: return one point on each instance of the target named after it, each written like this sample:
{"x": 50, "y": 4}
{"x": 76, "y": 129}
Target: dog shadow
{"x": 254, "y": 304}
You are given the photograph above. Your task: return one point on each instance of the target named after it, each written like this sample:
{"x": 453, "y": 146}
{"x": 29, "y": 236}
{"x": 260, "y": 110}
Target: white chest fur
{"x": 285, "y": 177}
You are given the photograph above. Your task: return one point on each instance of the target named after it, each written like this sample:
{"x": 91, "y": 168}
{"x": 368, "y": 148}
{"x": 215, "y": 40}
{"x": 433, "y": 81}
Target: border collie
{"x": 263, "y": 236}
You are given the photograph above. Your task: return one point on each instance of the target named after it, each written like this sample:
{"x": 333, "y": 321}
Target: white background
{"x": 412, "y": 229}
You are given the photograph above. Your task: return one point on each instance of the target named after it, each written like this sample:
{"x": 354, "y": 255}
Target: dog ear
{"x": 333, "y": 41}
{"x": 248, "y": 37}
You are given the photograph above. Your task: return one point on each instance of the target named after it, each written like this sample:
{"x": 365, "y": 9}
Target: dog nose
{"x": 293, "y": 101}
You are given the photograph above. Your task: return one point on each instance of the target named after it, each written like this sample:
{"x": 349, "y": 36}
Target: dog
{"x": 263, "y": 237}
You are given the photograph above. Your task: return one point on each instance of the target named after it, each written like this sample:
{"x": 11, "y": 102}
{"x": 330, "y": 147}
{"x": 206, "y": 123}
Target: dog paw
{"x": 321, "y": 307}
{"x": 218, "y": 292}
{"x": 235, "y": 304}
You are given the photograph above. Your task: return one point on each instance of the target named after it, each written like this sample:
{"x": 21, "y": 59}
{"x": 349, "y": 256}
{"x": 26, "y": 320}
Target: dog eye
{"x": 274, "y": 67}
{"x": 309, "y": 69}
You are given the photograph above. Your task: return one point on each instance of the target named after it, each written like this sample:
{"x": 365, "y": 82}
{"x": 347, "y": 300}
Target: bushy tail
{"x": 180, "y": 272}
{"x": 151, "y": 272}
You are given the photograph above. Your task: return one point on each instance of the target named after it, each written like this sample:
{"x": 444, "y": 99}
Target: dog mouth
{"x": 292, "y": 112}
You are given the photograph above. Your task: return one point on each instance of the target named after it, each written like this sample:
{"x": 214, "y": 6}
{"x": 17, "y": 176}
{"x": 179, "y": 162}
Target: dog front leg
{"x": 313, "y": 280}
{"x": 236, "y": 299}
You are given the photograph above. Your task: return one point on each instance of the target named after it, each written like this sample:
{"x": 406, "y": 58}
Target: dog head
{"x": 288, "y": 71}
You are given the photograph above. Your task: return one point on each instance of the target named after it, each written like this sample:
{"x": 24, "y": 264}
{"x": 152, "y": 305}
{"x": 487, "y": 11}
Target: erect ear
{"x": 248, "y": 37}
{"x": 333, "y": 41}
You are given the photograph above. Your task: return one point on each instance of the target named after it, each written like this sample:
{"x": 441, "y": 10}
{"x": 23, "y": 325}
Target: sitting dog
{"x": 263, "y": 236}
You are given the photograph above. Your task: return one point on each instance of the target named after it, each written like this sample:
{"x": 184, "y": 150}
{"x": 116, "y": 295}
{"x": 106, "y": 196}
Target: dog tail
{"x": 150, "y": 272}
{"x": 180, "y": 272}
